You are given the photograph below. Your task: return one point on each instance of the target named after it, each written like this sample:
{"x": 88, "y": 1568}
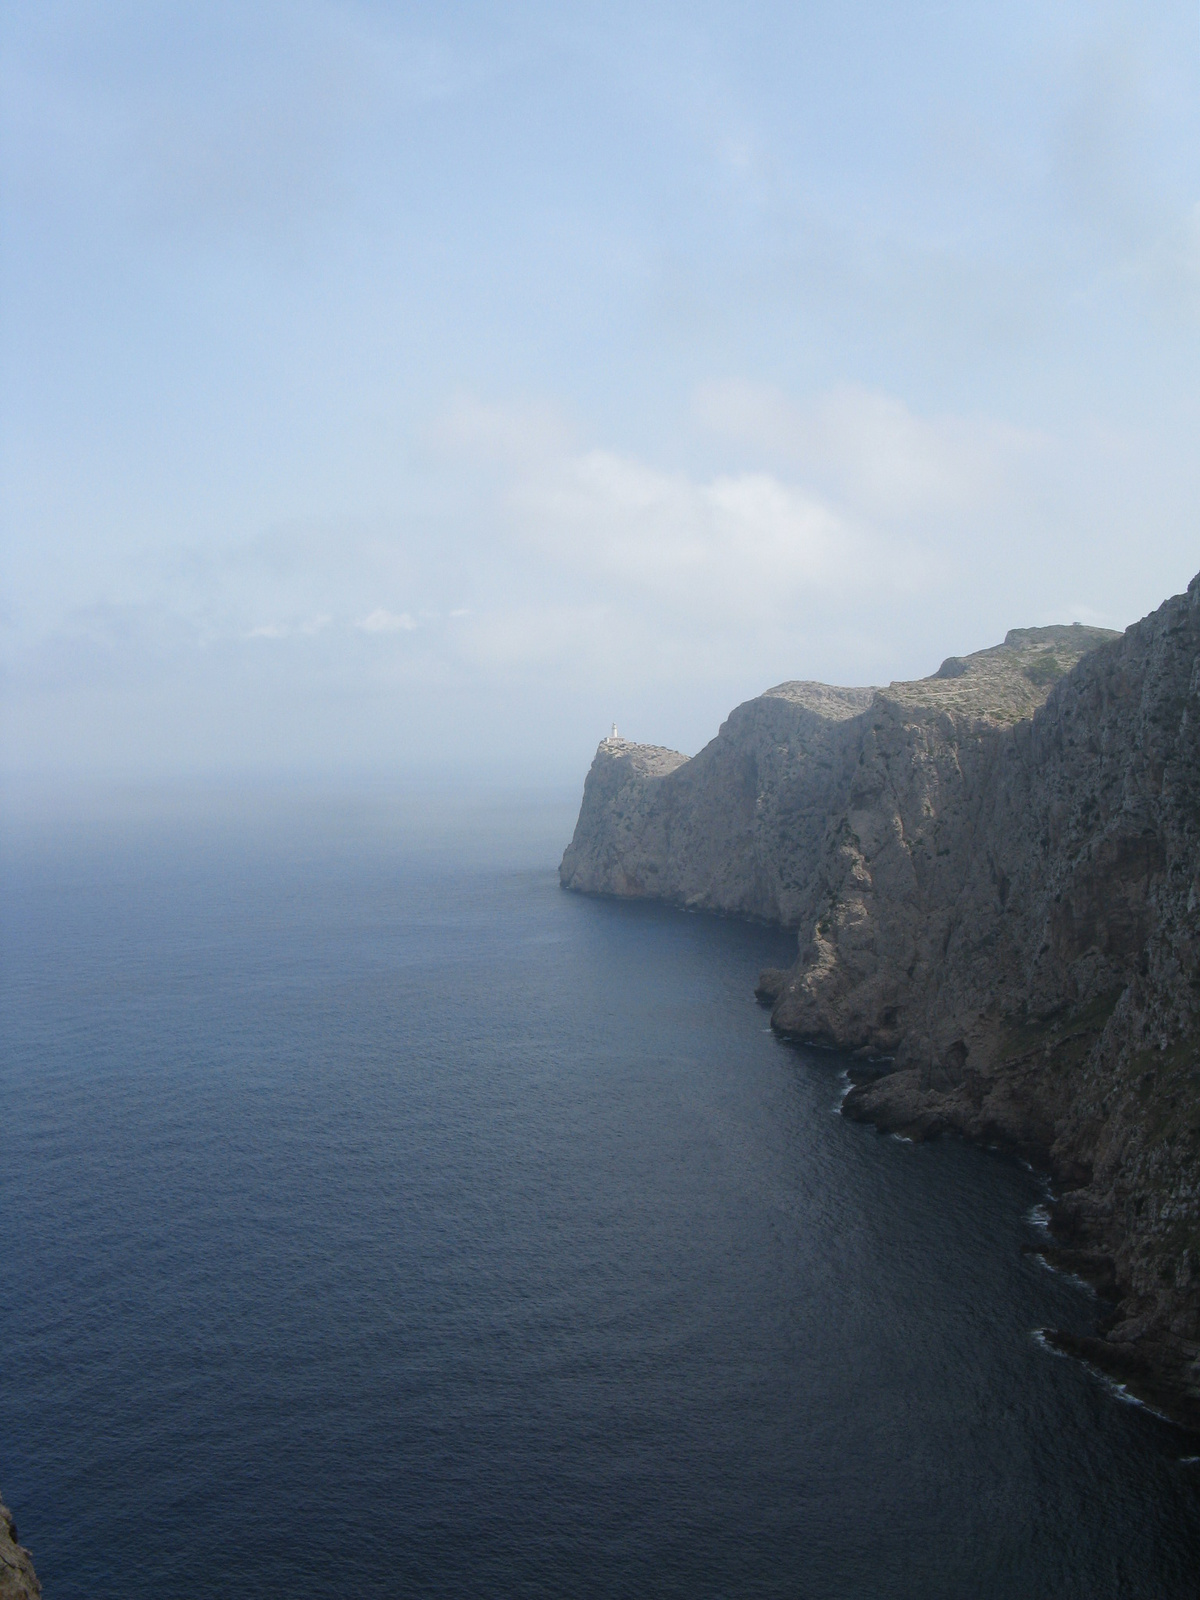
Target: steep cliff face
{"x": 996, "y": 881}
{"x": 740, "y": 828}
{"x": 732, "y": 830}
{"x": 18, "y": 1581}
{"x": 1013, "y": 912}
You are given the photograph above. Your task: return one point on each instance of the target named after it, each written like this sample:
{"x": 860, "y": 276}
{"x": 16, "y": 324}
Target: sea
{"x": 377, "y": 1219}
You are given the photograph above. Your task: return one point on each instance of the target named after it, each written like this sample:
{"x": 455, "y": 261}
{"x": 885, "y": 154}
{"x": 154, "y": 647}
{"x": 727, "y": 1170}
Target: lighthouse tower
{"x": 614, "y": 734}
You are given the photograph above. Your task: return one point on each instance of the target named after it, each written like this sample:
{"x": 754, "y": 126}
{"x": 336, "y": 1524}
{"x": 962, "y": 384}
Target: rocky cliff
{"x": 741, "y": 827}
{"x": 995, "y": 875}
{"x": 18, "y": 1581}
{"x": 736, "y": 828}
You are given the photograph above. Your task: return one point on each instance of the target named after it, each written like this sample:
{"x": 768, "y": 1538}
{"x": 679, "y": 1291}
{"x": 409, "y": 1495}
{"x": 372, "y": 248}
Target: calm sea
{"x": 379, "y": 1220}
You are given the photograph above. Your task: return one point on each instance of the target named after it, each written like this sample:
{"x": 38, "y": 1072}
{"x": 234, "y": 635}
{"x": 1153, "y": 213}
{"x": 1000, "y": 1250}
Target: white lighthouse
{"x": 614, "y": 734}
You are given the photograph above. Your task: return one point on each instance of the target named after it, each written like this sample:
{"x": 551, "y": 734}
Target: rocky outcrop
{"x": 740, "y": 827}
{"x": 995, "y": 874}
{"x": 732, "y": 830}
{"x": 1020, "y": 927}
{"x": 18, "y": 1581}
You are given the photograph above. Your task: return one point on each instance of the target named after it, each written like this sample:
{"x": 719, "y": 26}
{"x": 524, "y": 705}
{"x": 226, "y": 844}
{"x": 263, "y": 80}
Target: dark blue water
{"x": 380, "y": 1224}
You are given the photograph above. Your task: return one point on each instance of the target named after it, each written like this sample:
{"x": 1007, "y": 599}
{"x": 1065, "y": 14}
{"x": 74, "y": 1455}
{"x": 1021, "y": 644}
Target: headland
{"x": 994, "y": 874}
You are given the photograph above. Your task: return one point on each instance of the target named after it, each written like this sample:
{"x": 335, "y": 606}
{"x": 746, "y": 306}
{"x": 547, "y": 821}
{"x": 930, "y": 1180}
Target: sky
{"x": 415, "y": 390}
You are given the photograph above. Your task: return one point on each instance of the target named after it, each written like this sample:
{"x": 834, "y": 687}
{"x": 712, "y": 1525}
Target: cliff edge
{"x": 995, "y": 877}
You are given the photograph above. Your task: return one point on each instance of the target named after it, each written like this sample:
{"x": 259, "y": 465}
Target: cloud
{"x": 731, "y": 543}
{"x": 596, "y": 562}
{"x": 279, "y": 630}
{"x": 381, "y": 621}
{"x": 869, "y": 449}
{"x": 848, "y": 492}
{"x": 817, "y": 532}
{"x": 498, "y": 434}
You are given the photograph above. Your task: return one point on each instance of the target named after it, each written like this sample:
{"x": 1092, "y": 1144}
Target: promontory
{"x": 994, "y": 874}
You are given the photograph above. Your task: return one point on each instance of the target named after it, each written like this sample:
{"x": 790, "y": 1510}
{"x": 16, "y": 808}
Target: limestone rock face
{"x": 1024, "y": 934}
{"x": 740, "y": 827}
{"x": 18, "y": 1581}
{"x": 995, "y": 877}
{"x": 731, "y": 830}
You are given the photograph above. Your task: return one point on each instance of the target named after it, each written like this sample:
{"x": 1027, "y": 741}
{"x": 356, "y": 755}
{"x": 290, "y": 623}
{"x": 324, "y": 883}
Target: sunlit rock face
{"x": 995, "y": 877}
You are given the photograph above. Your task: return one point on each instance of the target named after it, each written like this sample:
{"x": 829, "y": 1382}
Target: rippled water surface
{"x": 380, "y": 1220}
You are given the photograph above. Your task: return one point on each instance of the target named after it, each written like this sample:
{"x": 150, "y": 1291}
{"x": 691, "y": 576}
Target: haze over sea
{"x": 380, "y": 1220}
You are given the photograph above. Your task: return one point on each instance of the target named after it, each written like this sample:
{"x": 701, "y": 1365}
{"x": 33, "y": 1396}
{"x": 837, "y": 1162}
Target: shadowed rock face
{"x": 18, "y": 1581}
{"x": 740, "y": 827}
{"x": 995, "y": 875}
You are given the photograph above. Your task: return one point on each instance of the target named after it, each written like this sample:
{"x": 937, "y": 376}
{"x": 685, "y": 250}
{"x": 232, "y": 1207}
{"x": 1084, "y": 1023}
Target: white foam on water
{"x": 1118, "y": 1390}
{"x": 1038, "y": 1336}
{"x": 1122, "y": 1393}
{"x": 1061, "y": 1272}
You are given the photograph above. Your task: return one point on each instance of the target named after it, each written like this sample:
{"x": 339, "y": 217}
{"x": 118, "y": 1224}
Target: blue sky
{"x": 416, "y": 389}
